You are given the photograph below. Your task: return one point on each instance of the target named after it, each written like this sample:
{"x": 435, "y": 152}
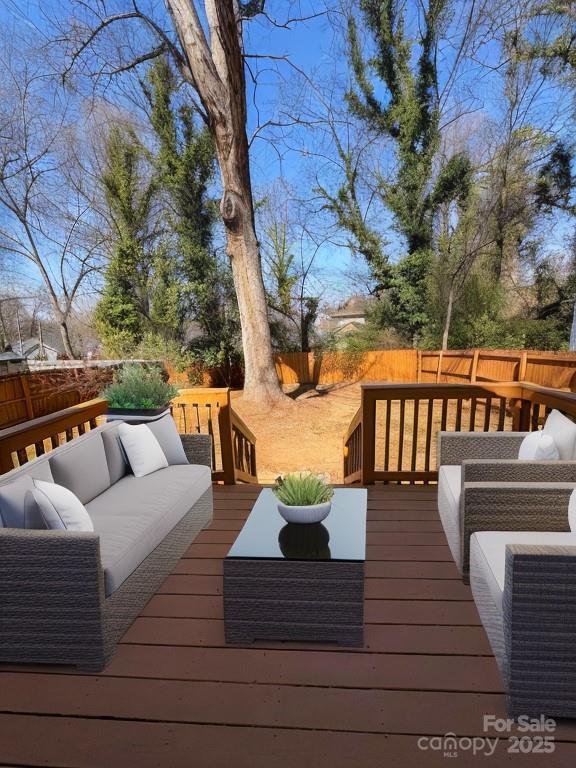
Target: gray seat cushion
{"x": 134, "y": 516}
{"x": 449, "y": 491}
{"x": 81, "y": 466}
{"x": 488, "y": 572}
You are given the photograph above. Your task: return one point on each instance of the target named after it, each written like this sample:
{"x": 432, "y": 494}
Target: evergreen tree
{"x": 124, "y": 308}
{"x": 185, "y": 164}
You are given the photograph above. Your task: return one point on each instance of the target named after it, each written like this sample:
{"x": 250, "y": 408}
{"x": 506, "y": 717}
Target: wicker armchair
{"x": 524, "y": 586}
{"x": 482, "y": 486}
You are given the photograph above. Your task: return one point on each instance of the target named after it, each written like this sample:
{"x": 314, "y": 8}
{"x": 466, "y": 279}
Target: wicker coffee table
{"x": 298, "y": 582}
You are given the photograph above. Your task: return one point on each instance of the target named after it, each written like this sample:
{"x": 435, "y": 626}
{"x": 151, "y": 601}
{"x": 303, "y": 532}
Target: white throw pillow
{"x": 142, "y": 449}
{"x": 60, "y": 508}
{"x": 563, "y": 431}
{"x": 538, "y": 446}
{"x": 166, "y": 432}
{"x": 572, "y": 512}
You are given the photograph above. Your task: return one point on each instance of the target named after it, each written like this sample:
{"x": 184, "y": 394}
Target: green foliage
{"x": 185, "y": 164}
{"x": 302, "y": 490}
{"x": 137, "y": 386}
{"x": 121, "y": 311}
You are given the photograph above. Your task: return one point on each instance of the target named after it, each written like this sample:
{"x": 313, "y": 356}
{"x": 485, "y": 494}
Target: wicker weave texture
{"x": 540, "y": 630}
{"x": 455, "y": 447}
{"x": 53, "y": 609}
{"x": 512, "y": 507}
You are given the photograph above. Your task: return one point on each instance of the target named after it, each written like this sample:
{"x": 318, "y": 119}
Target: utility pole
{"x": 19, "y": 329}
{"x": 41, "y": 340}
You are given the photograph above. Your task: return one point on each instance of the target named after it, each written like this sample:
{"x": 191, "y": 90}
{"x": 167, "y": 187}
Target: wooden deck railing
{"x": 209, "y": 410}
{"x": 206, "y": 411}
{"x": 23, "y": 442}
{"x": 393, "y": 436}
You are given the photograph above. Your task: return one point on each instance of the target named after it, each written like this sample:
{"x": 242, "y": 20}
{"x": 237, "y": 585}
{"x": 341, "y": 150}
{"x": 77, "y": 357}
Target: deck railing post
{"x": 226, "y": 442}
{"x": 368, "y": 436}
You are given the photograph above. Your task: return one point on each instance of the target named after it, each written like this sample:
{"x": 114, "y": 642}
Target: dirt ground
{"x": 304, "y": 434}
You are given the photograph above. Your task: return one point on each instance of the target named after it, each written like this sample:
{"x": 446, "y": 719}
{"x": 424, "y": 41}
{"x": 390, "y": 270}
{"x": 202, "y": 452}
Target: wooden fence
{"x": 557, "y": 370}
{"x": 393, "y": 436}
{"x": 206, "y": 411}
{"x": 27, "y": 396}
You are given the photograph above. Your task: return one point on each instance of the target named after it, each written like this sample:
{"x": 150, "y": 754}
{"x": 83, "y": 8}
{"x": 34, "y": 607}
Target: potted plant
{"x": 303, "y": 497}
{"x": 138, "y": 393}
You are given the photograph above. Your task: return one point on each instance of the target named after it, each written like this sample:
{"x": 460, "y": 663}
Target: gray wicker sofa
{"x": 483, "y": 486}
{"x": 68, "y": 597}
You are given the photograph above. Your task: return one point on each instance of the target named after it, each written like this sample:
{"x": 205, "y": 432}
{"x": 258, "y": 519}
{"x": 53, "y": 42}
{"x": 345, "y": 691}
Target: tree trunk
{"x": 215, "y": 68}
{"x": 66, "y": 339}
{"x": 260, "y": 379}
{"x": 448, "y": 319}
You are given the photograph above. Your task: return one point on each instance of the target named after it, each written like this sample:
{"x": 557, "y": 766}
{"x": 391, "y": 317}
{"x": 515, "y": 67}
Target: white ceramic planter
{"x": 314, "y": 513}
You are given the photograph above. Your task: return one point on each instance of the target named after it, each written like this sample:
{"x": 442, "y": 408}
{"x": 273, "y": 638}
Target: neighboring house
{"x": 346, "y": 319}
{"x": 11, "y": 362}
{"x": 49, "y": 347}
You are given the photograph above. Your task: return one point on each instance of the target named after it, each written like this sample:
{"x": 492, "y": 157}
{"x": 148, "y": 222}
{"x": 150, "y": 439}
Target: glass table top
{"x": 341, "y": 536}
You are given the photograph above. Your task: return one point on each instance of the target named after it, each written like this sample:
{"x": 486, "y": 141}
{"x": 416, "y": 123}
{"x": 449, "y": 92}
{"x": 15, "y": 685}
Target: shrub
{"x": 302, "y": 490}
{"x": 137, "y": 386}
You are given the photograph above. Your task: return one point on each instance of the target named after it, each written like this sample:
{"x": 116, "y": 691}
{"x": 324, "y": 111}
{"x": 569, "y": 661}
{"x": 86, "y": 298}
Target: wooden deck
{"x": 176, "y": 697}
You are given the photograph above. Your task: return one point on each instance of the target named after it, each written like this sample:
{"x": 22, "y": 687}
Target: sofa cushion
{"x": 563, "y": 432}
{"x": 538, "y": 446}
{"x": 81, "y": 467}
{"x": 134, "y": 516}
{"x": 165, "y": 431}
{"x": 61, "y": 510}
{"x": 115, "y": 456}
{"x": 449, "y": 492}
{"x": 14, "y": 513}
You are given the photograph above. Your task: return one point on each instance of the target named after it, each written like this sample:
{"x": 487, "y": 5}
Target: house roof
{"x": 355, "y": 307}
{"x": 11, "y": 357}
{"x": 50, "y": 340}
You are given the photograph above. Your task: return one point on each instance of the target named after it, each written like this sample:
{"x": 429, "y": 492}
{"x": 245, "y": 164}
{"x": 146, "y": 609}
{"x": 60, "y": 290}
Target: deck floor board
{"x": 176, "y": 696}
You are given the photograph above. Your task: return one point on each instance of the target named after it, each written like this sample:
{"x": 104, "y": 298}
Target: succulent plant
{"x": 302, "y": 489}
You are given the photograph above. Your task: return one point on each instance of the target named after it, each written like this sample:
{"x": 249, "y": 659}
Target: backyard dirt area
{"x": 303, "y": 434}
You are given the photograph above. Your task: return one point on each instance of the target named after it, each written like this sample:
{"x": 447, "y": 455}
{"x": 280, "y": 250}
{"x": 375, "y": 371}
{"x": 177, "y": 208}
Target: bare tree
{"x": 43, "y": 223}
{"x": 208, "y": 53}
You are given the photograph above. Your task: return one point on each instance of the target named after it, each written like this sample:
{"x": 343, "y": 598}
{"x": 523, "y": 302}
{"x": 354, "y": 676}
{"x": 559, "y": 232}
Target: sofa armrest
{"x": 518, "y": 471}
{"x": 539, "y": 612}
{"x": 512, "y": 507}
{"x": 51, "y": 598}
{"x": 455, "y": 447}
{"x": 198, "y": 449}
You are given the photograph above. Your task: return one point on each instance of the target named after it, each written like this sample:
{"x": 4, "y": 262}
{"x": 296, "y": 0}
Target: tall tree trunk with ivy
{"x": 215, "y": 68}
{"x": 408, "y": 113}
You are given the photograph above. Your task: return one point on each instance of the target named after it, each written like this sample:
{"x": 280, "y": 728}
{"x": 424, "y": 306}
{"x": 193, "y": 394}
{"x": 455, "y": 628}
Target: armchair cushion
{"x": 449, "y": 491}
{"x": 538, "y": 446}
{"x": 563, "y": 431}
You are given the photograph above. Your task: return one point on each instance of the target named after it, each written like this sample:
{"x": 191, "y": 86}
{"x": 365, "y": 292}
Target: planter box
{"x": 136, "y": 415}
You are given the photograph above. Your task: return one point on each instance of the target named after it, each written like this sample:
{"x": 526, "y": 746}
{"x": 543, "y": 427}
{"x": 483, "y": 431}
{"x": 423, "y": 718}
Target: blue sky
{"x": 316, "y": 52}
